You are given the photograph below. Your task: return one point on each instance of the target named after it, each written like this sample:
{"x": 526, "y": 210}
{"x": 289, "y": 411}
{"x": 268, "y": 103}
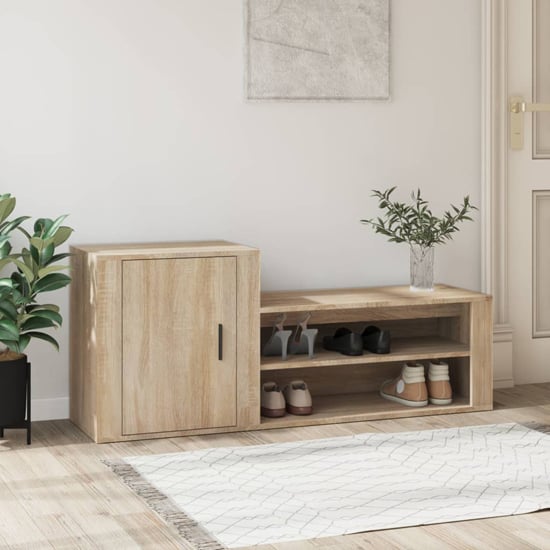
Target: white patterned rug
{"x": 245, "y": 496}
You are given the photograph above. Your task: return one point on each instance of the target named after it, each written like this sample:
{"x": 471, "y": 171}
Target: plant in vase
{"x": 25, "y": 275}
{"x": 416, "y": 225}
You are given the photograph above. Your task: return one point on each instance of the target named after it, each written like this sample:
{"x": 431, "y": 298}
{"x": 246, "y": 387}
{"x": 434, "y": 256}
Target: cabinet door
{"x": 179, "y": 344}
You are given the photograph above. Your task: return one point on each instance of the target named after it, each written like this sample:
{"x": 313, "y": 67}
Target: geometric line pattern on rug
{"x": 263, "y": 494}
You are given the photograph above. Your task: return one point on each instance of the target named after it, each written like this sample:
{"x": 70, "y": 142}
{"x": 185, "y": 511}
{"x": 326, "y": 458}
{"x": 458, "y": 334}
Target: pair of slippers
{"x": 347, "y": 342}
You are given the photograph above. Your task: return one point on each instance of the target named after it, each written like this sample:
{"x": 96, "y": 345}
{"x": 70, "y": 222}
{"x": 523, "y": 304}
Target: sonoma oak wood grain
{"x": 403, "y": 349}
{"x": 58, "y": 494}
{"x": 359, "y": 298}
{"x": 172, "y": 376}
{"x": 460, "y": 333}
{"x": 248, "y": 340}
{"x": 333, "y": 409}
{"x": 481, "y": 359}
{"x": 97, "y": 351}
{"x": 183, "y": 249}
{"x": 363, "y": 314}
{"x": 127, "y": 343}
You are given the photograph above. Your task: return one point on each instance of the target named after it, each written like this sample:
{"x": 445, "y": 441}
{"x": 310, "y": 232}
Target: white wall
{"x": 129, "y": 115}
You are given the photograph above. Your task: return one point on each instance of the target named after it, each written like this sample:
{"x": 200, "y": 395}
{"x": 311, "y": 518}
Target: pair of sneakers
{"x": 410, "y": 387}
{"x": 295, "y": 398}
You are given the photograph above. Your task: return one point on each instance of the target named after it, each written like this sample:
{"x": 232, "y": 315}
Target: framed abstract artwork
{"x": 317, "y": 49}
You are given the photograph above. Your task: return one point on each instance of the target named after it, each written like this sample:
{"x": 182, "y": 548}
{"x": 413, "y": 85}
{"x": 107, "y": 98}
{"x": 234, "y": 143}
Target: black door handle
{"x": 220, "y": 342}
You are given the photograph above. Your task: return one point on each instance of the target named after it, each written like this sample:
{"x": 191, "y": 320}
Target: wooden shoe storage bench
{"x": 166, "y": 341}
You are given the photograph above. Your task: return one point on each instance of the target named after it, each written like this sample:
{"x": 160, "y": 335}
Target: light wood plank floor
{"x": 57, "y": 493}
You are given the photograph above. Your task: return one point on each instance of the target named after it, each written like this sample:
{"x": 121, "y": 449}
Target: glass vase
{"x": 422, "y": 267}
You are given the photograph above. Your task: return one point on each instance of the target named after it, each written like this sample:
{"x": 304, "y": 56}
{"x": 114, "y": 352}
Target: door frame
{"x": 494, "y": 181}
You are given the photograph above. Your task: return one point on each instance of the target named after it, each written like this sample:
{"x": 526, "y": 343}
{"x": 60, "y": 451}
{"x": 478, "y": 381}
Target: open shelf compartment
{"x": 448, "y": 324}
{"x": 350, "y": 392}
{"x": 402, "y": 349}
{"x": 332, "y": 409}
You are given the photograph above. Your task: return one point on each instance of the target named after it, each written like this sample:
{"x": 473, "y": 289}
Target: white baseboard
{"x": 503, "y": 372}
{"x": 50, "y": 409}
{"x": 501, "y": 383}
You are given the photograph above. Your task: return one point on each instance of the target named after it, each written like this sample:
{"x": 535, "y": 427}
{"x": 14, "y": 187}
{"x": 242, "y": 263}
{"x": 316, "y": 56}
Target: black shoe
{"x": 376, "y": 340}
{"x": 345, "y": 342}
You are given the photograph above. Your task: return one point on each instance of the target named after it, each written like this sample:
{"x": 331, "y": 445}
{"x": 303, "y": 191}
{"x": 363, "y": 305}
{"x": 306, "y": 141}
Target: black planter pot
{"x": 15, "y": 386}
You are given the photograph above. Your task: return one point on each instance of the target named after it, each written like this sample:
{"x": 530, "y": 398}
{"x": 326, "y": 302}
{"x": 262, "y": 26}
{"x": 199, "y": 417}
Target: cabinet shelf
{"x": 449, "y": 323}
{"x": 329, "y": 409}
{"x": 403, "y": 349}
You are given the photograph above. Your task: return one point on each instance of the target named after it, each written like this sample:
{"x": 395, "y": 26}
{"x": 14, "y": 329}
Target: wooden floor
{"x": 58, "y": 494}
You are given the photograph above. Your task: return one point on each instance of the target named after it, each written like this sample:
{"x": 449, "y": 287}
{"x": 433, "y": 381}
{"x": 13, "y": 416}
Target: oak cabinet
{"x": 155, "y": 339}
{"x": 166, "y": 340}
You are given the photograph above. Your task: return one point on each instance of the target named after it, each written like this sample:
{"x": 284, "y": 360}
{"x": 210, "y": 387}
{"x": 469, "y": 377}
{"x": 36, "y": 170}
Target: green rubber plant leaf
{"x": 19, "y": 345}
{"x": 24, "y": 340}
{"x": 39, "y": 243}
{"x": 41, "y": 226}
{"x": 29, "y": 261}
{"x": 35, "y": 254}
{"x": 4, "y": 262}
{"x": 25, "y": 270}
{"x": 7, "y": 204}
{"x": 10, "y": 226}
{"x": 46, "y": 253}
{"x": 6, "y": 281}
{"x": 20, "y": 283}
{"x": 7, "y": 309}
{"x": 55, "y": 225}
{"x": 51, "y": 269}
{"x": 9, "y": 327}
{"x": 46, "y": 314}
{"x": 53, "y": 281}
{"x": 39, "y": 307}
{"x": 5, "y": 249}
{"x": 62, "y": 234}
{"x": 58, "y": 257}
{"x": 43, "y": 336}
{"x": 37, "y": 322}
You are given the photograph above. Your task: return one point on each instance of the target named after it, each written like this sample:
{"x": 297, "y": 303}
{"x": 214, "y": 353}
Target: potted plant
{"x": 24, "y": 276}
{"x": 416, "y": 225}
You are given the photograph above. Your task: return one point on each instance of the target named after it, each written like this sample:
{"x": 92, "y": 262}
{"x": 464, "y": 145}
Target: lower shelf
{"x": 331, "y": 409}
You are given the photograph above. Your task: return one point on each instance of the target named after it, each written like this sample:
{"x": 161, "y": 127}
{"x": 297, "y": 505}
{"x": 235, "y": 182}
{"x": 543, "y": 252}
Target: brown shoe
{"x": 272, "y": 401}
{"x": 298, "y": 398}
{"x": 439, "y": 385}
{"x": 409, "y": 388}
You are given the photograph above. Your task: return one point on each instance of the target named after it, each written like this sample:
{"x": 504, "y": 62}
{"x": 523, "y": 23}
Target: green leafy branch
{"x": 36, "y": 271}
{"x": 414, "y": 223}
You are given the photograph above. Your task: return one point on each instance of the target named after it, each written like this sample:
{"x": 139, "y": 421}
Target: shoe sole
{"x": 435, "y": 401}
{"x": 403, "y": 401}
{"x": 344, "y": 352}
{"x": 300, "y": 411}
{"x": 379, "y": 351}
{"x": 272, "y": 413}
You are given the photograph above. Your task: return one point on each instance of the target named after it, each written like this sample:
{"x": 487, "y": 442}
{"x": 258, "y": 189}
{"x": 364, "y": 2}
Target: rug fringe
{"x": 188, "y": 529}
{"x": 537, "y": 426}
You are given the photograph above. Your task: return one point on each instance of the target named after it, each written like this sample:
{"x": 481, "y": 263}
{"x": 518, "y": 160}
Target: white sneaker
{"x": 298, "y": 398}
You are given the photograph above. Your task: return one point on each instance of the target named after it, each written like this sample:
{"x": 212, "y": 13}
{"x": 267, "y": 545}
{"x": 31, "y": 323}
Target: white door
{"x": 529, "y": 189}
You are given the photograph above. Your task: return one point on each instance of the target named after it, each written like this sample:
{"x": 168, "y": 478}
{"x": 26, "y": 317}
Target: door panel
{"x": 172, "y": 374}
{"x": 541, "y": 264}
{"x": 541, "y": 77}
{"x": 528, "y": 186}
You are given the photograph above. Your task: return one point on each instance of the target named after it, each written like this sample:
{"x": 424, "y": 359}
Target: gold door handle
{"x": 521, "y": 106}
{"x": 517, "y": 107}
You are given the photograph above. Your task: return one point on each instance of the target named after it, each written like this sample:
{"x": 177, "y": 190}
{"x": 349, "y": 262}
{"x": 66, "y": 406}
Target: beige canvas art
{"x": 317, "y": 49}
